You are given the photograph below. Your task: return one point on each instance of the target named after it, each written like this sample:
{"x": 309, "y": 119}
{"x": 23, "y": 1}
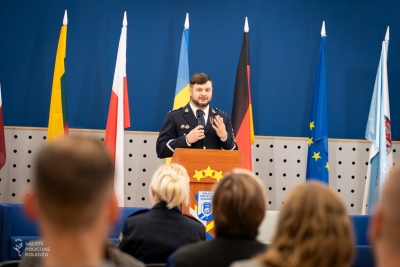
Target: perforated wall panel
{"x": 280, "y": 162}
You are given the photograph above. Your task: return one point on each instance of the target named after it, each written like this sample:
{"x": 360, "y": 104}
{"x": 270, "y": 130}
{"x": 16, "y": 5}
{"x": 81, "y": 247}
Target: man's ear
{"x": 190, "y": 90}
{"x": 30, "y": 206}
{"x": 376, "y": 225}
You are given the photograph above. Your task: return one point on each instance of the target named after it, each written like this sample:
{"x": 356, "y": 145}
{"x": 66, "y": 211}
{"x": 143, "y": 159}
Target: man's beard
{"x": 200, "y": 105}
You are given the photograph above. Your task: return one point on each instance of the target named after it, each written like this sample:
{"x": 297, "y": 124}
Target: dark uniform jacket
{"x": 220, "y": 252}
{"x": 180, "y": 122}
{"x": 151, "y": 236}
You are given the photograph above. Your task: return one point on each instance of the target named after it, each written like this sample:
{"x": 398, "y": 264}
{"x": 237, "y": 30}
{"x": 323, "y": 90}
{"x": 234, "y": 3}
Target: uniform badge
{"x": 186, "y": 110}
{"x": 204, "y": 204}
{"x": 182, "y": 126}
{"x": 211, "y": 120}
{"x": 187, "y": 126}
{"x": 212, "y": 110}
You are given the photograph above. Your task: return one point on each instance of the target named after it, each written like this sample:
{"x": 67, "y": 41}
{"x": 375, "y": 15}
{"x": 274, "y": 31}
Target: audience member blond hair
{"x": 152, "y": 236}
{"x": 313, "y": 229}
{"x": 170, "y": 183}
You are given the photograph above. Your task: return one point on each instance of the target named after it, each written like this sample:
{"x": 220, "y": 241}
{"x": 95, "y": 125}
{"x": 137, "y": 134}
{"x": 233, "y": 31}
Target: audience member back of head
{"x": 74, "y": 203}
{"x": 384, "y": 229}
{"x": 151, "y": 236}
{"x": 313, "y": 229}
{"x": 239, "y": 206}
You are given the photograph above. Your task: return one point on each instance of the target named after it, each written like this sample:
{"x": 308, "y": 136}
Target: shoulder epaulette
{"x": 220, "y": 111}
{"x": 175, "y": 109}
{"x": 139, "y": 212}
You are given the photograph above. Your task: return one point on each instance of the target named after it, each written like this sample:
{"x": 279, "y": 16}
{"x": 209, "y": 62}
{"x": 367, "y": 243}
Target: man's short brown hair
{"x": 72, "y": 176}
{"x": 199, "y": 78}
{"x": 239, "y": 205}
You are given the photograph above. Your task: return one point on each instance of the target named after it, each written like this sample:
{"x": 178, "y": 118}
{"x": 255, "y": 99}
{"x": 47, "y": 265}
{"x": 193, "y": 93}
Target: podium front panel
{"x": 205, "y": 168}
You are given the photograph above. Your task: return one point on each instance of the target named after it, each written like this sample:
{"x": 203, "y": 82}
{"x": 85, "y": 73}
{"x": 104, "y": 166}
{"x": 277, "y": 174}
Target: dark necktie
{"x": 203, "y": 122}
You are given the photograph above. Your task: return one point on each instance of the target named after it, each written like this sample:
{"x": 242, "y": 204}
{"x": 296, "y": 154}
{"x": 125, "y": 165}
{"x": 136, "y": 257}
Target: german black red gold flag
{"x": 242, "y": 117}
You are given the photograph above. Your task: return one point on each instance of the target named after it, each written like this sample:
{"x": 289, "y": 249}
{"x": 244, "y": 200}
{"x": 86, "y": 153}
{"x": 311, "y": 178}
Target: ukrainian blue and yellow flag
{"x": 317, "y": 160}
{"x": 182, "y": 96}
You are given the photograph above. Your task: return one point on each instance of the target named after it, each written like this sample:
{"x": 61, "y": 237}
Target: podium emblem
{"x": 207, "y": 208}
{"x": 204, "y": 204}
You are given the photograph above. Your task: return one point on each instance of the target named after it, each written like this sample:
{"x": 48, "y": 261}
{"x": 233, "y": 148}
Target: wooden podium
{"x": 205, "y": 167}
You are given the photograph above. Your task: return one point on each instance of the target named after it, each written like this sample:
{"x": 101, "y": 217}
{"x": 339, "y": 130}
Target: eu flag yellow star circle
{"x": 327, "y": 165}
{"x": 312, "y": 125}
{"x": 316, "y": 156}
{"x": 310, "y": 141}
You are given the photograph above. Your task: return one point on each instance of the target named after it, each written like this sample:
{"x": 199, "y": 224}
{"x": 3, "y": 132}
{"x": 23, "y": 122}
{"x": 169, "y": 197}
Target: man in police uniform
{"x": 181, "y": 128}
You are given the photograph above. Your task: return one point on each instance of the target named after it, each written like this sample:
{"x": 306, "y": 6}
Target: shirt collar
{"x": 206, "y": 110}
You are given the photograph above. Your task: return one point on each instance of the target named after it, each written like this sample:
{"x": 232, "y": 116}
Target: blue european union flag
{"x": 317, "y": 159}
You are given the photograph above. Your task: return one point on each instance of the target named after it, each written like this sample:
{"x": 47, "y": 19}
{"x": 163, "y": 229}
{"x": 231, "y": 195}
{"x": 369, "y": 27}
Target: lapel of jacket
{"x": 189, "y": 116}
{"x": 210, "y": 119}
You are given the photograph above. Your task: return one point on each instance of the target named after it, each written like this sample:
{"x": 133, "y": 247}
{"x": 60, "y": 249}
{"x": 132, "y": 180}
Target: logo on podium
{"x": 204, "y": 204}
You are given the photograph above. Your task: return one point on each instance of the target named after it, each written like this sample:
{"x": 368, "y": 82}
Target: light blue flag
{"x": 379, "y": 133}
{"x": 317, "y": 159}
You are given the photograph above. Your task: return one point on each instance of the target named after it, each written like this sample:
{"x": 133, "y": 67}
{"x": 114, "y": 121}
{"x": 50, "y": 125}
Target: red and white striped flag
{"x": 118, "y": 116}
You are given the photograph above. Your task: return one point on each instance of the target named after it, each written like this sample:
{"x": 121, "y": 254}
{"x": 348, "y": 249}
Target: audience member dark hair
{"x": 76, "y": 174}
{"x": 239, "y": 206}
{"x": 74, "y": 203}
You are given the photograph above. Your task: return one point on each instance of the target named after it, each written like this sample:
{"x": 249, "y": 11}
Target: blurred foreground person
{"x": 313, "y": 229}
{"x": 384, "y": 229}
{"x": 151, "y": 236}
{"x": 239, "y": 206}
{"x": 74, "y": 203}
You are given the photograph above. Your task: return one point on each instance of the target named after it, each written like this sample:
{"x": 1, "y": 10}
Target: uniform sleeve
{"x": 168, "y": 139}
{"x": 230, "y": 143}
{"x": 172, "y": 259}
{"x": 124, "y": 240}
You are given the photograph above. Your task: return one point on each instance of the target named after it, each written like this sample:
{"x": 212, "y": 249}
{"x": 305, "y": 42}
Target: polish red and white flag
{"x": 119, "y": 116}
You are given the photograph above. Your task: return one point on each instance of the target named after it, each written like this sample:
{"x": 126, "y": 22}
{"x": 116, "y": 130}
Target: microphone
{"x": 199, "y": 113}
